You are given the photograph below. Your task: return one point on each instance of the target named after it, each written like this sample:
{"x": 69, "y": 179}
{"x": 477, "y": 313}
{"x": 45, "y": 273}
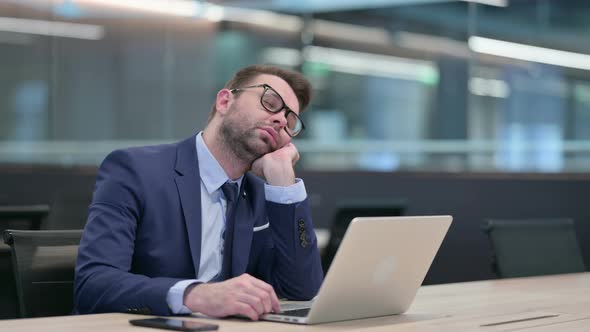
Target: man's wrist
{"x": 175, "y": 296}
{"x": 282, "y": 177}
{"x": 188, "y": 301}
{"x": 281, "y": 182}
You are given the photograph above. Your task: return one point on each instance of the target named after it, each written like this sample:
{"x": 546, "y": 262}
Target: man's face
{"x": 250, "y": 130}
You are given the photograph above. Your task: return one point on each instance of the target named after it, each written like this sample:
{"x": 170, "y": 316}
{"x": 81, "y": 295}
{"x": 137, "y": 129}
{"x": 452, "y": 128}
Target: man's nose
{"x": 280, "y": 118}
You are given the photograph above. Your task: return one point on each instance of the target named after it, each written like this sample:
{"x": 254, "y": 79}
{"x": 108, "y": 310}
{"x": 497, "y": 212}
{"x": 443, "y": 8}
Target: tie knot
{"x": 230, "y": 190}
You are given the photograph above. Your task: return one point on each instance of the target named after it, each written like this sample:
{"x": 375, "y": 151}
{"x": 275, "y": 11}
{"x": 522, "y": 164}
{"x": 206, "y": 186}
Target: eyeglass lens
{"x": 273, "y": 102}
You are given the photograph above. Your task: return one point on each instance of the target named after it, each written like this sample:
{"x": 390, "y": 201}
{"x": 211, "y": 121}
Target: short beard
{"x": 240, "y": 144}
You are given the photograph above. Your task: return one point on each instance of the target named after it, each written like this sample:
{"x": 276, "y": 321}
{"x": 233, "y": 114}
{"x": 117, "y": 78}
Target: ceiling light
{"x": 497, "y": 3}
{"x": 361, "y": 63}
{"x": 172, "y": 7}
{"x": 529, "y": 53}
{"x": 52, "y": 28}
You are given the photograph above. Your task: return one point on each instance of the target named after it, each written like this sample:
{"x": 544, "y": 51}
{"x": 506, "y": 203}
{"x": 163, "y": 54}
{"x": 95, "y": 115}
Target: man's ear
{"x": 223, "y": 101}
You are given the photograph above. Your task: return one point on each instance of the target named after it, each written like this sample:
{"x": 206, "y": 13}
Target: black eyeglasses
{"x": 274, "y": 103}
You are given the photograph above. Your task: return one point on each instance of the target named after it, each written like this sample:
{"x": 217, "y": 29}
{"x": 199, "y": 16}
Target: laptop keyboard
{"x": 296, "y": 312}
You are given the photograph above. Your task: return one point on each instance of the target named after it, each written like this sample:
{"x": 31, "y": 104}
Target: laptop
{"x": 377, "y": 270}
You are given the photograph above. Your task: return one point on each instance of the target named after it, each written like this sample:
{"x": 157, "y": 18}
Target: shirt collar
{"x": 212, "y": 174}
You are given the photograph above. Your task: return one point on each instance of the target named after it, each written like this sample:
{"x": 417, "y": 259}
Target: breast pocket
{"x": 261, "y": 227}
{"x": 262, "y": 236}
{"x": 262, "y": 253}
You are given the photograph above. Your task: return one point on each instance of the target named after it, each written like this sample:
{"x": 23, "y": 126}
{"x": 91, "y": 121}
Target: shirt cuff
{"x": 294, "y": 193}
{"x": 175, "y": 297}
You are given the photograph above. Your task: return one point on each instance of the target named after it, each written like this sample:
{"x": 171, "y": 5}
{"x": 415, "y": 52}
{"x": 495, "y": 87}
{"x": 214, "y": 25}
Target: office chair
{"x": 15, "y": 217}
{"x": 23, "y": 216}
{"x": 43, "y": 264}
{"x": 347, "y": 211}
{"x": 534, "y": 247}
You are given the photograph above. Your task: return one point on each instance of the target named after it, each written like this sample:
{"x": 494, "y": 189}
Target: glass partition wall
{"x": 495, "y": 85}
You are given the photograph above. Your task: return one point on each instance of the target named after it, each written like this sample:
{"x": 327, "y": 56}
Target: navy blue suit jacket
{"x": 143, "y": 234}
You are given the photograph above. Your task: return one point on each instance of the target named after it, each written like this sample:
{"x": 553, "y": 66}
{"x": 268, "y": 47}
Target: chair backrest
{"x": 534, "y": 247}
{"x": 43, "y": 264}
{"x": 347, "y": 211}
{"x": 23, "y": 216}
{"x": 15, "y": 217}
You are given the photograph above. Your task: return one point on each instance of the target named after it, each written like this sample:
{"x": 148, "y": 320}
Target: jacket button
{"x": 302, "y": 238}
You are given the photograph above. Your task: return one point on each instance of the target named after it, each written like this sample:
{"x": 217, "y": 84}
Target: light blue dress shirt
{"x": 213, "y": 207}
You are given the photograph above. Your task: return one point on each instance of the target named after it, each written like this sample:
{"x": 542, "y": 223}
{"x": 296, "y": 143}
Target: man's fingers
{"x": 274, "y": 300}
{"x": 295, "y": 153}
{"x": 296, "y": 158}
{"x": 244, "y": 295}
{"x": 263, "y": 296}
{"x": 257, "y": 167}
{"x": 253, "y": 301}
{"x": 244, "y": 309}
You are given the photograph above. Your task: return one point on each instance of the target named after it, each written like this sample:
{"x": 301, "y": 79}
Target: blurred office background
{"x": 479, "y": 109}
{"x": 491, "y": 85}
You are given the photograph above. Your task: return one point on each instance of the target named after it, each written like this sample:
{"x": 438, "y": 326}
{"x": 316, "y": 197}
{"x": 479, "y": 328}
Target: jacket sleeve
{"x": 103, "y": 280}
{"x": 297, "y": 271}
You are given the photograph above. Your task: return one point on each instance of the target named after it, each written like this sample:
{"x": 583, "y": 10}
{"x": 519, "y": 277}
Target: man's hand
{"x": 243, "y": 295}
{"x": 276, "y": 168}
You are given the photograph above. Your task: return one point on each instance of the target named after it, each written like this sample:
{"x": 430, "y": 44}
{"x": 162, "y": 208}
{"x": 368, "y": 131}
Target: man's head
{"x": 298, "y": 83}
{"x": 258, "y": 110}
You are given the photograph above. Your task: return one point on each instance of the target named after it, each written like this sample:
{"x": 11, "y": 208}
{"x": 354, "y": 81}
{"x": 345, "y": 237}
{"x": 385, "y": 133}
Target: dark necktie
{"x": 230, "y": 191}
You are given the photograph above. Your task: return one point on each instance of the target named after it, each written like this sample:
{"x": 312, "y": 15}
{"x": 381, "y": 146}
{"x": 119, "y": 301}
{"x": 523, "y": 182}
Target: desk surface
{"x": 494, "y": 305}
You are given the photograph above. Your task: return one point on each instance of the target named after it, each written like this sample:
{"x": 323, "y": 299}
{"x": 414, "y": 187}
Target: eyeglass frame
{"x": 283, "y": 107}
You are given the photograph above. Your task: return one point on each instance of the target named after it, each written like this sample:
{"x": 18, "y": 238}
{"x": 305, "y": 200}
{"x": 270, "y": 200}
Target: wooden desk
{"x": 564, "y": 301}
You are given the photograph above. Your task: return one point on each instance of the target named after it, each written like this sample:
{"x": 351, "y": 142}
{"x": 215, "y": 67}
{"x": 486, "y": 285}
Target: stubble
{"x": 241, "y": 139}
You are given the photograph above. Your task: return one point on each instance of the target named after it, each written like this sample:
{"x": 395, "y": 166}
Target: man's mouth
{"x": 272, "y": 134}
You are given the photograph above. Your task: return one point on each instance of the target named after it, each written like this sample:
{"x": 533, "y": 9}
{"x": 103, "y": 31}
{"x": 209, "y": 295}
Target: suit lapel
{"x": 188, "y": 183}
{"x": 243, "y": 228}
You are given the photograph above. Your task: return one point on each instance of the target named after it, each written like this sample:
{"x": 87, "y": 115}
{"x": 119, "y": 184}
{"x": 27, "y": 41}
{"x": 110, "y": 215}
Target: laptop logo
{"x": 384, "y": 270}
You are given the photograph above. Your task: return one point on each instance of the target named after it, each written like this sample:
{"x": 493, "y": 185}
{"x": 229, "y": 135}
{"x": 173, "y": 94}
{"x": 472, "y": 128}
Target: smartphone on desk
{"x": 174, "y": 324}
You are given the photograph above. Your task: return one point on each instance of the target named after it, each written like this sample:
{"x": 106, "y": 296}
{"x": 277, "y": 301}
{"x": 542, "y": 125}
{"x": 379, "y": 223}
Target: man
{"x": 168, "y": 231}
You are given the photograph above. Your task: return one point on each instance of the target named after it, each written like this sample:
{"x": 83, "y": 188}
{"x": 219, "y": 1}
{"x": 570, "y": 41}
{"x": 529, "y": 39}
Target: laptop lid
{"x": 378, "y": 268}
